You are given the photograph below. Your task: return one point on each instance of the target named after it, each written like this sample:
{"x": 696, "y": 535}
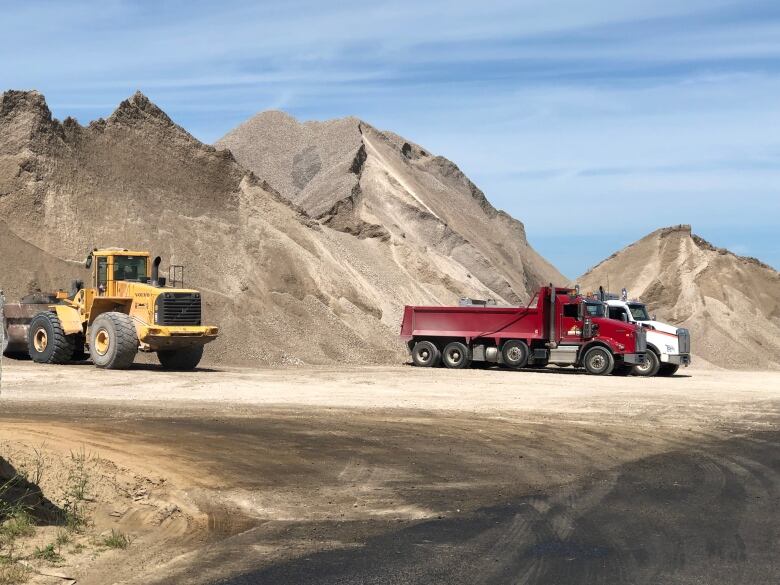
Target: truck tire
{"x": 599, "y": 361}
{"x": 456, "y": 355}
{"x": 515, "y": 353}
{"x": 185, "y": 358}
{"x": 668, "y": 369}
{"x": 650, "y": 367}
{"x": 113, "y": 341}
{"x": 426, "y": 355}
{"x": 46, "y": 341}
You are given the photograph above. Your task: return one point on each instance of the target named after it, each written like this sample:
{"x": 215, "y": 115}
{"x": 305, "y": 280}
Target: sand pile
{"x": 285, "y": 288}
{"x": 377, "y": 185}
{"x": 730, "y": 303}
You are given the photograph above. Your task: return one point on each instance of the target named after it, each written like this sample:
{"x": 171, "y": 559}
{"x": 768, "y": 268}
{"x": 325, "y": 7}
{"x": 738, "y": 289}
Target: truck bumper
{"x": 683, "y": 359}
{"x": 633, "y": 358}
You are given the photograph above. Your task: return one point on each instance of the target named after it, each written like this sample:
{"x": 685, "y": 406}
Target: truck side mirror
{"x": 580, "y": 311}
{"x": 624, "y": 317}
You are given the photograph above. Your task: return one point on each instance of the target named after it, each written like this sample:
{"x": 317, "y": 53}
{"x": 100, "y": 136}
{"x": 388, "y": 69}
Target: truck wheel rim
{"x": 514, "y": 354}
{"x": 454, "y": 356}
{"x": 40, "y": 340}
{"x": 102, "y": 342}
{"x": 424, "y": 354}
{"x": 597, "y": 361}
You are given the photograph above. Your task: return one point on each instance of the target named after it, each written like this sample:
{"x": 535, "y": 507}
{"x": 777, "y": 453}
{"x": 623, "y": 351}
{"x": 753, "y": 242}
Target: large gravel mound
{"x": 373, "y": 184}
{"x": 730, "y": 303}
{"x": 284, "y": 288}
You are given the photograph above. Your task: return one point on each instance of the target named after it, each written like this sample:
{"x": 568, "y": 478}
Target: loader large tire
{"x": 186, "y": 358}
{"x": 47, "y": 342}
{"x": 113, "y": 341}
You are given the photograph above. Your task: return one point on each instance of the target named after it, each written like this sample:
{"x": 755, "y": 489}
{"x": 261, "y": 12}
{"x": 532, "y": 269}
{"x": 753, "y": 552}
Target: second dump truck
{"x": 561, "y": 327}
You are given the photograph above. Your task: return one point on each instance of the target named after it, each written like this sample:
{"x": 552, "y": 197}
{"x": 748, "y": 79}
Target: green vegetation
{"x": 116, "y": 540}
{"x": 47, "y": 553}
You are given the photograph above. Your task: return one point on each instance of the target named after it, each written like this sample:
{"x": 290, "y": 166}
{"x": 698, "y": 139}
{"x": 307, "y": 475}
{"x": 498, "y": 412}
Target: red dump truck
{"x": 559, "y": 326}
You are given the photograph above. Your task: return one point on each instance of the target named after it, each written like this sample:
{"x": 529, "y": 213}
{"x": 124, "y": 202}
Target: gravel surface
{"x": 404, "y": 475}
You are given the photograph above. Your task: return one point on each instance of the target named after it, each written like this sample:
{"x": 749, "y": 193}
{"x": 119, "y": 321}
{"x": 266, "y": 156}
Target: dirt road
{"x": 402, "y": 475}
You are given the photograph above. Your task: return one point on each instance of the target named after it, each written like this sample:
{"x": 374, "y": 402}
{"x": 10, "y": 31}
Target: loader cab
{"x": 112, "y": 266}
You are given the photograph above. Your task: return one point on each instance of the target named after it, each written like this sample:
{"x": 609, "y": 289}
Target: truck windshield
{"x": 129, "y": 267}
{"x": 596, "y": 309}
{"x": 639, "y": 312}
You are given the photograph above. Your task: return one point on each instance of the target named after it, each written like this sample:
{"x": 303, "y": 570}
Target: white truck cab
{"x": 668, "y": 347}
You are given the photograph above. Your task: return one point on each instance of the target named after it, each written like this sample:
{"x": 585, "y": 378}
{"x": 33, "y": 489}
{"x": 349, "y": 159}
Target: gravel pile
{"x": 730, "y": 303}
{"x": 286, "y": 286}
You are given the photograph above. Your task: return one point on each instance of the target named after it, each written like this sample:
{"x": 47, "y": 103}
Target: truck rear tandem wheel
{"x": 456, "y": 355}
{"x": 425, "y": 354}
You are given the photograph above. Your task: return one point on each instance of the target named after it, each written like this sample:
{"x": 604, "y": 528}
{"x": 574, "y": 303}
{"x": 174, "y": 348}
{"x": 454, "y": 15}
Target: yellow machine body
{"x": 121, "y": 280}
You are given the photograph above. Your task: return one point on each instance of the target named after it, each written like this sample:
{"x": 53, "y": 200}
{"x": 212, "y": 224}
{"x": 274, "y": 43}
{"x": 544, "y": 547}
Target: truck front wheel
{"x": 113, "y": 341}
{"x": 599, "y": 361}
{"x": 456, "y": 355}
{"x": 650, "y": 367}
{"x": 186, "y": 358}
{"x": 425, "y": 354}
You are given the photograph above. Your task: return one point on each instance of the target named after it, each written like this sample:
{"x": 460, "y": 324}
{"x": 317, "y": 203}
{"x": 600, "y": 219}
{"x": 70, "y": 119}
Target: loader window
{"x": 102, "y": 266}
{"x": 129, "y": 267}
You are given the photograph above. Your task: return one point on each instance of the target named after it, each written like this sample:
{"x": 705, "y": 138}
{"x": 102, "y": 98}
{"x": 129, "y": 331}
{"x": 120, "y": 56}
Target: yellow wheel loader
{"x": 127, "y": 307}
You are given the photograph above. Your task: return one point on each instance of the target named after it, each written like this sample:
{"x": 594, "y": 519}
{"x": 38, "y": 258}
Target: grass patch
{"x": 18, "y": 524}
{"x": 116, "y": 540}
{"x": 47, "y": 553}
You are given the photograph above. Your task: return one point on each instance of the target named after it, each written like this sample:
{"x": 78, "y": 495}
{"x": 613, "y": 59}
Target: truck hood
{"x": 663, "y": 327}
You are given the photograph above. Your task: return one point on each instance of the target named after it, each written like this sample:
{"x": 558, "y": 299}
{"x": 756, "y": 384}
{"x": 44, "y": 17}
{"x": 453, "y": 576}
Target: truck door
{"x": 571, "y": 324}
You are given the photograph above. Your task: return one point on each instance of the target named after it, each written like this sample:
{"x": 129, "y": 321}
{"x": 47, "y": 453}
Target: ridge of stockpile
{"x": 379, "y": 186}
{"x": 286, "y": 285}
{"x": 730, "y": 303}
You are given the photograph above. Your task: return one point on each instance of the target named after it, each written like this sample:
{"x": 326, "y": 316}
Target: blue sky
{"x": 592, "y": 122}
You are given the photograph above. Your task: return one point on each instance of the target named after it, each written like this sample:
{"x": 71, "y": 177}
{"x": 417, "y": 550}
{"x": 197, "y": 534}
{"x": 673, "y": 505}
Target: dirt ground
{"x": 405, "y": 475}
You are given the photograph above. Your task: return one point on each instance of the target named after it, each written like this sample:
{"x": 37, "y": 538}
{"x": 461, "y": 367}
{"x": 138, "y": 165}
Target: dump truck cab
{"x": 124, "y": 307}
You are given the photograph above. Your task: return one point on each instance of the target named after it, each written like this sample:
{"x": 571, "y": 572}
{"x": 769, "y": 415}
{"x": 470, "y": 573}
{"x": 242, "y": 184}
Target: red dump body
{"x": 556, "y": 329}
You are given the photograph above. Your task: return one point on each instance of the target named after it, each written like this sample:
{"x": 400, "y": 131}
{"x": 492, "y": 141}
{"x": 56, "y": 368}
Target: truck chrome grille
{"x": 641, "y": 340}
{"x": 178, "y": 309}
{"x": 684, "y": 340}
